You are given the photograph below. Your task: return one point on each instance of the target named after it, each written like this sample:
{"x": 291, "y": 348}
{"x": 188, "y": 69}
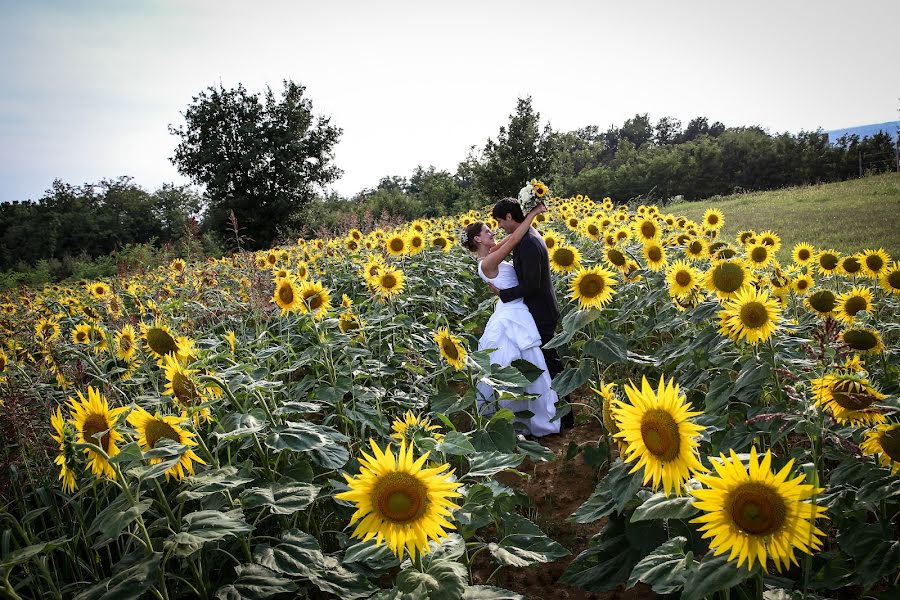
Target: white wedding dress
{"x": 511, "y": 330}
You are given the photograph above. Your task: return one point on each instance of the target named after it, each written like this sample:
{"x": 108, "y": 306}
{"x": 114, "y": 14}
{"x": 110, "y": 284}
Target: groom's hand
{"x": 494, "y": 289}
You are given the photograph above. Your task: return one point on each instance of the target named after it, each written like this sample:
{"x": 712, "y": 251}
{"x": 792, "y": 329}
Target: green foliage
{"x": 261, "y": 157}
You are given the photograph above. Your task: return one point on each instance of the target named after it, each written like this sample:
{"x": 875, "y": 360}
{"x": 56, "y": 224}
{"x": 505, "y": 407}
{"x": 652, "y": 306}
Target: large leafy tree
{"x": 523, "y": 150}
{"x": 260, "y": 156}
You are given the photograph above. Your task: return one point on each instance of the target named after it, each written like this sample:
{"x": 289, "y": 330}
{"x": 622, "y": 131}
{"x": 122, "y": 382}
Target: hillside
{"x": 848, "y": 216}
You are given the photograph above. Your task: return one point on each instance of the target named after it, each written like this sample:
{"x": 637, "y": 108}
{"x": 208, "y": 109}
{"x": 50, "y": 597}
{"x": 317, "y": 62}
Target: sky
{"x": 88, "y": 89}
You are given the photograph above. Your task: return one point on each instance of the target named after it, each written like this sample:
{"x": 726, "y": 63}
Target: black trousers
{"x": 554, "y": 366}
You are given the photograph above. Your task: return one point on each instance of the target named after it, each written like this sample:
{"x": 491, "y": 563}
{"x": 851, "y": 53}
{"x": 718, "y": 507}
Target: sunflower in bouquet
{"x": 533, "y": 194}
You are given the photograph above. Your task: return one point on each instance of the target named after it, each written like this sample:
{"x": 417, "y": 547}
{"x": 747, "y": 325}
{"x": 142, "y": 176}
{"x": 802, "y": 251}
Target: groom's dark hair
{"x": 508, "y": 206}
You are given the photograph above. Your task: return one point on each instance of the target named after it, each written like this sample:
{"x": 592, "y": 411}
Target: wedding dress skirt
{"x": 512, "y": 333}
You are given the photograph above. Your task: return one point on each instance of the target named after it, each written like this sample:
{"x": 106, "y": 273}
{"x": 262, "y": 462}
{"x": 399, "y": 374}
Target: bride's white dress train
{"x": 511, "y": 330}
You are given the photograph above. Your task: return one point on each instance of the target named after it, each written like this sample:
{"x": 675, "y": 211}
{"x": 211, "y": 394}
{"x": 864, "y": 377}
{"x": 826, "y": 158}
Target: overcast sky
{"x": 88, "y": 89}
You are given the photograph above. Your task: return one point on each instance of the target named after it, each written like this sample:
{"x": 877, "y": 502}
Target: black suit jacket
{"x": 532, "y": 264}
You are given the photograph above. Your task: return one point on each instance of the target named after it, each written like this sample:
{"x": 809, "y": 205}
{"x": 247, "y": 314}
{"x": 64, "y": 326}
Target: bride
{"x": 511, "y": 330}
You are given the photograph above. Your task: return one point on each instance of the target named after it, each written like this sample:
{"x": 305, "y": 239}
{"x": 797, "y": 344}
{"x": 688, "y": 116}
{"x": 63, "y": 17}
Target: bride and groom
{"x": 526, "y": 317}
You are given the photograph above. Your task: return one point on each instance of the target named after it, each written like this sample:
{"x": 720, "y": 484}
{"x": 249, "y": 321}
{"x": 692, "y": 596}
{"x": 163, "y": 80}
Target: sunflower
{"x": 177, "y": 266}
{"x": 4, "y": 363}
{"x": 160, "y": 342}
{"x": 314, "y": 298}
{"x": 540, "y": 190}
{"x": 286, "y": 294}
{"x": 388, "y": 282}
{"x": 803, "y": 253}
{"x": 850, "y": 265}
{"x": 745, "y": 236}
{"x": 683, "y": 279}
{"x": 591, "y": 228}
{"x": 802, "y": 284}
{"x": 884, "y": 441}
{"x": 373, "y": 266}
{"x": 771, "y": 239}
{"x": 862, "y": 339}
{"x": 593, "y": 287}
{"x": 231, "y": 339}
{"x": 822, "y": 303}
{"x": 874, "y": 262}
{"x": 659, "y": 435}
{"x": 452, "y": 349}
{"x": 759, "y": 256}
{"x": 65, "y": 459}
{"x": 727, "y": 277}
{"x": 441, "y": 242}
{"x": 407, "y": 428}
{"x": 852, "y": 302}
{"x": 828, "y": 261}
{"x": 751, "y": 315}
{"x": 92, "y": 416}
{"x": 185, "y": 391}
{"x": 608, "y": 395}
{"x": 396, "y": 244}
{"x": 615, "y": 258}
{"x": 47, "y": 329}
{"x": 348, "y": 322}
{"x": 696, "y": 249}
{"x": 400, "y": 503}
{"x": 126, "y": 344}
{"x": 301, "y": 270}
{"x": 152, "y": 428}
{"x": 98, "y": 289}
{"x": 352, "y": 245}
{"x": 890, "y": 278}
{"x": 646, "y": 229}
{"x": 655, "y": 255}
{"x": 758, "y": 514}
{"x": 848, "y": 397}
{"x": 565, "y": 259}
{"x": 551, "y": 239}
{"x": 622, "y": 234}
{"x": 82, "y": 333}
{"x": 713, "y": 219}
{"x": 416, "y": 243}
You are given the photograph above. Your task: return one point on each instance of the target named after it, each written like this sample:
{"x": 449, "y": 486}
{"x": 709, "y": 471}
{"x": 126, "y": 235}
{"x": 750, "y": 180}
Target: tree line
{"x": 265, "y": 161}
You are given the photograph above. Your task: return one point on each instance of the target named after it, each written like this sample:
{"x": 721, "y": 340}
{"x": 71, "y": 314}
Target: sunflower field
{"x": 303, "y": 422}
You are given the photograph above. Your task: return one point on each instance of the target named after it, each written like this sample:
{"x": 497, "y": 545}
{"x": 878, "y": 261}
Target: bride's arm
{"x": 500, "y": 251}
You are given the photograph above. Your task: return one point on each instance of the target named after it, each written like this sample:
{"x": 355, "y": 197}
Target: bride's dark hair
{"x": 471, "y": 231}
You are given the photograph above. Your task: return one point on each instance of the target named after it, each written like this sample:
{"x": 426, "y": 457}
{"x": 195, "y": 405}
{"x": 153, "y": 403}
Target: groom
{"x": 532, "y": 264}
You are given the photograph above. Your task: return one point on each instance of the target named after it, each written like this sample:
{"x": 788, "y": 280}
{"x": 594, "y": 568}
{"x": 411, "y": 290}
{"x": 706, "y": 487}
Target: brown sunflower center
{"x": 440, "y": 242}
{"x": 450, "y": 349}
{"x": 728, "y": 277}
{"x": 648, "y": 230}
{"x": 286, "y": 293}
{"x": 768, "y": 241}
{"x": 591, "y": 285}
{"x": 94, "y": 424}
{"x": 860, "y": 339}
{"x": 712, "y": 219}
{"x": 754, "y": 314}
{"x": 890, "y": 443}
{"x": 759, "y": 254}
{"x": 823, "y": 301}
{"x": 854, "y": 304}
{"x": 893, "y": 280}
{"x": 851, "y": 265}
{"x": 660, "y": 434}
{"x": 654, "y": 253}
{"x": 183, "y": 388}
{"x": 683, "y": 278}
{"x": 155, "y": 430}
{"x": 851, "y": 395}
{"x": 695, "y": 247}
{"x": 160, "y": 341}
{"x": 388, "y": 281}
{"x": 396, "y": 244}
{"x": 416, "y": 242}
{"x": 802, "y": 284}
{"x": 828, "y": 261}
{"x": 803, "y": 254}
{"x": 874, "y": 262}
{"x": 2, "y": 363}
{"x": 400, "y": 498}
{"x": 126, "y": 343}
{"x": 757, "y": 509}
{"x": 81, "y": 336}
{"x": 550, "y": 242}
{"x": 564, "y": 257}
{"x": 616, "y": 257}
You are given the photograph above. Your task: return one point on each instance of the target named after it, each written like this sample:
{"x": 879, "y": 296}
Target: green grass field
{"x": 848, "y": 216}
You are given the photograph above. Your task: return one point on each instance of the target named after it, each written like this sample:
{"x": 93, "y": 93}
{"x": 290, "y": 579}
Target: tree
{"x": 523, "y": 151}
{"x": 260, "y": 156}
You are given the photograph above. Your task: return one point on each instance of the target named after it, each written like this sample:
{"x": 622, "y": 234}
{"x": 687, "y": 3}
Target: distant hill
{"x": 864, "y": 131}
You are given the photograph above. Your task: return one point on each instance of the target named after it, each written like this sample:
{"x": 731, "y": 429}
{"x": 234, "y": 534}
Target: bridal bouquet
{"x": 532, "y": 194}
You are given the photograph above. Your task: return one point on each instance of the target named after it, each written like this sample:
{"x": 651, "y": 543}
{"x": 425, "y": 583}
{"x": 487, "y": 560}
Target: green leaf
{"x": 442, "y": 580}
{"x": 281, "y": 498}
{"x": 112, "y": 520}
{"x": 447, "y": 402}
{"x": 535, "y": 451}
{"x": 572, "y": 378}
{"x": 331, "y": 456}
{"x": 873, "y": 548}
{"x": 238, "y": 425}
{"x": 204, "y": 526}
{"x": 299, "y": 437}
{"x": 515, "y": 557}
{"x": 665, "y": 568}
{"x": 524, "y": 540}
{"x": 476, "y": 509}
{"x": 128, "y": 584}
{"x": 658, "y": 506}
{"x": 294, "y": 408}
{"x": 455, "y": 443}
{"x": 572, "y": 323}
{"x": 527, "y": 369}
{"x": 375, "y": 557}
{"x": 211, "y": 482}
{"x": 878, "y": 490}
{"x": 255, "y": 582}
{"x": 27, "y": 553}
{"x": 612, "y": 348}
{"x": 610, "y": 496}
{"x": 299, "y": 555}
{"x": 489, "y": 592}
{"x": 497, "y": 436}
{"x": 718, "y": 394}
{"x": 713, "y": 574}
{"x": 485, "y": 464}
